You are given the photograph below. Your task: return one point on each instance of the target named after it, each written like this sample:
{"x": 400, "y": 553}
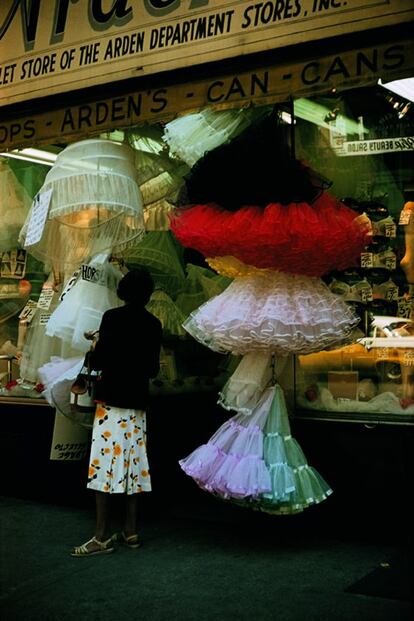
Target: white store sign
{"x": 54, "y": 46}
{"x": 375, "y": 147}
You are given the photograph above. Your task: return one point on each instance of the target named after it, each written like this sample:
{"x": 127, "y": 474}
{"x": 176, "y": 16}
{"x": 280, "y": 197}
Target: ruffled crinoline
{"x": 94, "y": 200}
{"x": 191, "y": 136}
{"x": 231, "y": 464}
{"x": 38, "y": 347}
{"x": 83, "y": 306}
{"x": 157, "y": 215}
{"x": 298, "y": 238}
{"x": 273, "y": 312}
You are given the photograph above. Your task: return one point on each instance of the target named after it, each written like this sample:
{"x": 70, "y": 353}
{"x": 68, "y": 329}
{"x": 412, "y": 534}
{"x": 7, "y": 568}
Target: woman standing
{"x": 127, "y": 354}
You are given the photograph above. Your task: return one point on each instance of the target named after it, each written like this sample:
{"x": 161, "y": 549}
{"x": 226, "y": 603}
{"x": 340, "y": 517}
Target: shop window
{"x": 363, "y": 141}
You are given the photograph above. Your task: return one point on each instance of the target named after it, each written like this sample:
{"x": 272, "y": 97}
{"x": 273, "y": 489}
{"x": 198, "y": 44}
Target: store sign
{"x": 70, "y": 442}
{"x": 375, "y": 147}
{"x": 262, "y": 86}
{"x": 54, "y": 46}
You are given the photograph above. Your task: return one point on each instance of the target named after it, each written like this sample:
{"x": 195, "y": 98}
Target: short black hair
{"x": 136, "y": 286}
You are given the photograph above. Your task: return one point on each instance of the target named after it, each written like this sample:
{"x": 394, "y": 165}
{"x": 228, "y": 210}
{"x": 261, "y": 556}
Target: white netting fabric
{"x": 82, "y": 307}
{"x": 244, "y": 388}
{"x": 190, "y": 137}
{"x": 273, "y": 312}
{"x": 96, "y": 204}
{"x": 39, "y": 348}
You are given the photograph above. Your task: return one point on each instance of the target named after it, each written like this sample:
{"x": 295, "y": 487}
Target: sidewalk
{"x": 192, "y": 569}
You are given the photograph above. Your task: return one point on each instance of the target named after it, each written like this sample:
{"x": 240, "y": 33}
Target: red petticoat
{"x": 297, "y": 238}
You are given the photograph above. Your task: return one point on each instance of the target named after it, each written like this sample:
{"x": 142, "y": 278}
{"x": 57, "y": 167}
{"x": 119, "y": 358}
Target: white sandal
{"x": 103, "y": 547}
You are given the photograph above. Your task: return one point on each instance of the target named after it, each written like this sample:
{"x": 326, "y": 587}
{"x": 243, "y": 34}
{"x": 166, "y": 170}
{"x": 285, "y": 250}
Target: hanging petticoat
{"x": 160, "y": 253}
{"x": 57, "y": 376}
{"x": 298, "y": 238}
{"x": 231, "y": 464}
{"x": 189, "y": 137}
{"x": 82, "y": 307}
{"x": 171, "y": 317}
{"x": 254, "y": 168}
{"x": 200, "y": 285}
{"x": 159, "y": 195}
{"x": 38, "y": 347}
{"x": 14, "y": 207}
{"x": 95, "y": 206}
{"x": 273, "y": 312}
{"x": 254, "y": 460}
{"x": 248, "y": 382}
{"x": 295, "y": 485}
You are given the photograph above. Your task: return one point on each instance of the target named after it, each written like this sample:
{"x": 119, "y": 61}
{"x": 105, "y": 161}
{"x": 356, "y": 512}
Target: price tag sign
{"x": 390, "y": 230}
{"x": 45, "y": 297}
{"x": 28, "y": 311}
{"x": 405, "y": 216}
{"x": 408, "y": 358}
{"x": 39, "y": 211}
{"x": 367, "y": 259}
{"x": 44, "y": 318}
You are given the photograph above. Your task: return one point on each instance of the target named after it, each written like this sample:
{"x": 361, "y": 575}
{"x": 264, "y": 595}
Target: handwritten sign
{"x": 70, "y": 442}
{"x": 40, "y": 208}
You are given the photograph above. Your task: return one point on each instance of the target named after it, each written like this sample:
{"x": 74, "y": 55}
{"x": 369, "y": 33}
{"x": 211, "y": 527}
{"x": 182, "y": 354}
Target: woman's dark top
{"x": 128, "y": 354}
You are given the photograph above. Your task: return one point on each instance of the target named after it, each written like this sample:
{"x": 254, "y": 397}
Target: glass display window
{"x": 363, "y": 141}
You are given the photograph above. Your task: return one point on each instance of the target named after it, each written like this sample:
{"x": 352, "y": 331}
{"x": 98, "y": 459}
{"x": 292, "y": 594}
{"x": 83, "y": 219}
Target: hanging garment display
{"x": 38, "y": 347}
{"x": 200, "y": 285}
{"x": 254, "y": 460}
{"x": 160, "y": 177}
{"x": 298, "y": 238}
{"x": 14, "y": 207}
{"x": 254, "y": 168}
{"x": 191, "y": 136}
{"x": 160, "y": 253}
{"x": 171, "y": 317}
{"x": 91, "y": 202}
{"x": 84, "y": 304}
{"x": 274, "y": 312}
{"x": 249, "y": 380}
{"x": 231, "y": 463}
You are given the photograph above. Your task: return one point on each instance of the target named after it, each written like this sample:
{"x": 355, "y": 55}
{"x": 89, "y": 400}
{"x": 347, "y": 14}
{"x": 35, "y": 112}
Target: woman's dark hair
{"x": 136, "y": 286}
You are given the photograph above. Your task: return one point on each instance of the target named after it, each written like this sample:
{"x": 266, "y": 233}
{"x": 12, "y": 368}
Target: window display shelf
{"x": 355, "y": 417}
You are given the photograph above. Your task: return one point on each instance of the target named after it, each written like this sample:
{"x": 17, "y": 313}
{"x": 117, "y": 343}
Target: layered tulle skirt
{"x": 252, "y": 459}
{"x": 273, "y": 312}
{"x": 297, "y": 238}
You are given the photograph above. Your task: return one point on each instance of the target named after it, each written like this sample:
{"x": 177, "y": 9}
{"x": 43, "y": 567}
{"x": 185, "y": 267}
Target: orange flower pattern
{"x": 118, "y": 461}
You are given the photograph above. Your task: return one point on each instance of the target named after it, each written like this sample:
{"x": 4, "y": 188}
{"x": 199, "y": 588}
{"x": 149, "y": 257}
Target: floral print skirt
{"x": 118, "y": 461}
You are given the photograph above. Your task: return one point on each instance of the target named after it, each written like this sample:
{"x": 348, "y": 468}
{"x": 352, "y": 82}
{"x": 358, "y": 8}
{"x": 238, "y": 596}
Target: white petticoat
{"x": 192, "y": 135}
{"x": 82, "y": 307}
{"x": 274, "y": 312}
{"x": 244, "y": 388}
